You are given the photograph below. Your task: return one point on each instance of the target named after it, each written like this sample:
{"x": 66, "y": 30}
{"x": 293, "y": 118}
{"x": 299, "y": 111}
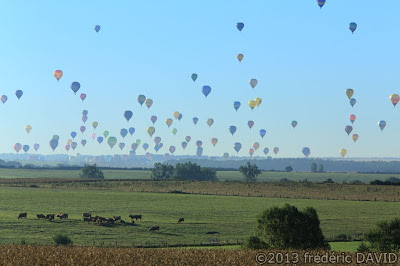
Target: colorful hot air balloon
{"x": 100, "y": 139}
{"x": 168, "y": 121}
{"x": 354, "y": 137}
{"x": 252, "y": 104}
{"x": 67, "y": 147}
{"x": 3, "y": 99}
{"x": 256, "y": 145}
{"x": 294, "y": 124}
{"x": 28, "y": 128}
{"x": 141, "y": 99}
{"x": 134, "y": 146}
{"x": 172, "y": 149}
{"x": 240, "y": 57}
{"x": 237, "y": 146}
{"x": 53, "y": 144}
{"x": 69, "y": 141}
{"x": 174, "y": 131}
{"x": 349, "y": 93}
{"x": 157, "y": 140}
{"x": 19, "y": 93}
{"x": 253, "y": 83}
{"x": 266, "y": 150}
{"x": 236, "y": 105}
{"x": 199, "y": 143}
{"x": 382, "y": 124}
{"x": 206, "y": 90}
{"x": 195, "y": 120}
{"x": 394, "y": 98}
{"x": 95, "y": 124}
{"x": 214, "y": 141}
{"x": 352, "y": 118}
{"x": 36, "y": 146}
{"x": 131, "y": 130}
{"x": 83, "y": 96}
{"x": 58, "y": 74}
{"x": 258, "y": 101}
{"x": 93, "y": 136}
{"x": 74, "y": 145}
{"x": 276, "y": 150}
{"x": 175, "y": 115}
{"x": 83, "y": 142}
{"x": 262, "y": 133}
{"x": 306, "y": 151}
{"x": 251, "y": 152}
{"x": 240, "y": 26}
{"x": 210, "y": 121}
{"x": 106, "y": 133}
{"x": 352, "y": 102}
{"x": 111, "y": 141}
{"x": 188, "y": 138}
{"x": 17, "y": 147}
{"x": 148, "y": 103}
{"x": 97, "y": 28}
{"x": 121, "y": 145}
{"x": 128, "y": 115}
{"x": 153, "y": 119}
{"x": 84, "y": 118}
{"x": 194, "y": 77}
{"x": 199, "y": 152}
{"x": 353, "y": 27}
{"x": 73, "y": 134}
{"x": 145, "y": 146}
{"x": 232, "y": 129}
{"x": 343, "y": 152}
{"x": 82, "y": 129}
{"x": 75, "y": 86}
{"x": 150, "y": 131}
{"x": 123, "y": 132}
{"x": 184, "y": 144}
{"x": 321, "y": 3}
{"x": 348, "y": 129}
{"x": 137, "y": 141}
{"x": 250, "y": 124}
{"x": 225, "y": 155}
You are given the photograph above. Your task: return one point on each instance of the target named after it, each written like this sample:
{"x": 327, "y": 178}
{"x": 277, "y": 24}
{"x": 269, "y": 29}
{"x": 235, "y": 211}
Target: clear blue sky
{"x": 304, "y": 58}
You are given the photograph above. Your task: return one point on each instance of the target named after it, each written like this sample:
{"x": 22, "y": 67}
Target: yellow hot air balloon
{"x": 150, "y": 131}
{"x": 349, "y": 93}
{"x": 240, "y": 57}
{"x": 343, "y": 152}
{"x": 354, "y": 137}
{"x": 148, "y": 103}
{"x": 28, "y": 128}
{"x": 394, "y": 98}
{"x": 176, "y": 114}
{"x": 258, "y": 100}
{"x": 168, "y": 121}
{"x": 252, "y": 104}
{"x": 214, "y": 141}
{"x": 58, "y": 74}
{"x": 210, "y": 121}
{"x": 256, "y": 145}
{"x": 95, "y": 124}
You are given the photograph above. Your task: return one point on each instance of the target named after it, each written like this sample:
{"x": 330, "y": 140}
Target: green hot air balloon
{"x": 106, "y": 133}
{"x": 138, "y": 141}
{"x": 112, "y": 141}
{"x": 174, "y": 131}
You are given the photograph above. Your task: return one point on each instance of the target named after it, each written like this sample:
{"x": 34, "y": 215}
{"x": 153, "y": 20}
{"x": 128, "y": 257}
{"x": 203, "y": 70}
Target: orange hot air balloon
{"x": 58, "y": 74}
{"x": 394, "y": 98}
{"x": 352, "y": 118}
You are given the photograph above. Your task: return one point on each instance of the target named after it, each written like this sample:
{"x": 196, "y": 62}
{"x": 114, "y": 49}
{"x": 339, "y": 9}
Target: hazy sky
{"x": 304, "y": 58}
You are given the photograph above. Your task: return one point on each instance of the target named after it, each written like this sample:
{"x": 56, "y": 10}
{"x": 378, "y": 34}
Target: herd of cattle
{"x": 87, "y": 217}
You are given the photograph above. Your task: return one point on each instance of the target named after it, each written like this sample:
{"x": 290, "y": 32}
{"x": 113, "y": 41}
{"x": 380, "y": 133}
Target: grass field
{"x": 233, "y": 217}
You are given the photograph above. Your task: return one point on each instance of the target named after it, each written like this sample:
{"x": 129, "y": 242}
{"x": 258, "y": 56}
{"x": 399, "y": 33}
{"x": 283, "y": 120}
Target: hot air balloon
{"x": 382, "y": 124}
{"x": 167, "y": 156}
{"x": 195, "y": 120}
{"x": 262, "y": 133}
{"x": 354, "y": 137}
{"x": 95, "y": 124}
{"x": 85, "y": 112}
{"x": 73, "y": 134}
{"x": 180, "y": 117}
{"x": 188, "y": 138}
{"x": 394, "y": 98}
{"x": 352, "y": 102}
{"x": 75, "y": 86}
{"x": 74, "y": 145}
{"x": 232, "y": 129}
{"x": 36, "y": 146}
{"x": 83, "y": 96}
{"x": 25, "y": 148}
{"x": 67, "y": 147}
{"x": 58, "y": 74}
{"x": 225, "y": 155}
{"x": 134, "y": 146}
{"x": 199, "y": 143}
{"x": 321, "y": 3}
{"x": 240, "y": 57}
{"x": 353, "y": 27}
{"x": 83, "y": 142}
{"x": 69, "y": 141}
{"x": 17, "y": 147}
{"x": 3, "y": 99}
{"x": 157, "y": 140}
{"x": 240, "y": 26}
{"x": 348, "y": 129}
{"x": 199, "y": 151}
{"x": 28, "y": 128}
{"x": 258, "y": 101}
{"x": 84, "y": 118}
{"x": 237, "y": 146}
{"x": 343, "y": 152}
{"x": 157, "y": 146}
{"x": 206, "y": 90}
{"x": 141, "y": 99}
{"x": 137, "y": 141}
{"x": 148, "y": 156}
{"x": 236, "y": 105}
{"x": 93, "y": 136}
{"x": 194, "y": 77}
{"x": 175, "y": 115}
{"x": 294, "y": 124}
{"x": 214, "y": 141}
{"x": 56, "y": 137}
{"x": 111, "y": 141}
{"x": 150, "y": 131}
{"x": 266, "y": 150}
{"x": 252, "y": 104}
{"x": 97, "y": 28}
{"x": 253, "y": 83}
{"x": 250, "y": 124}
{"x": 168, "y": 121}
{"x": 19, "y": 93}
{"x": 53, "y": 144}
{"x": 210, "y": 121}
{"x": 251, "y": 152}
{"x": 256, "y": 145}
{"x": 82, "y": 129}
{"x": 100, "y": 139}
{"x": 184, "y": 144}
{"x": 123, "y": 132}
{"x": 349, "y": 93}
{"x": 148, "y": 103}
{"x": 128, "y": 115}
{"x": 153, "y": 119}
{"x": 145, "y": 146}
{"x": 276, "y": 150}
{"x": 172, "y": 149}
{"x": 174, "y": 131}
{"x": 106, "y": 133}
{"x": 131, "y": 130}
{"x": 306, "y": 151}
{"x": 352, "y": 118}
{"x": 121, "y": 145}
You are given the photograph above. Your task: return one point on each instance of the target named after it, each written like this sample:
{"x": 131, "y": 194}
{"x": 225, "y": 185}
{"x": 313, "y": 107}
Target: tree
{"x": 313, "y": 167}
{"x": 386, "y": 237}
{"x": 91, "y": 171}
{"x": 289, "y": 228}
{"x": 192, "y": 171}
{"x": 320, "y": 168}
{"x": 162, "y": 171}
{"x": 288, "y": 168}
{"x": 254, "y": 242}
{"x": 250, "y": 172}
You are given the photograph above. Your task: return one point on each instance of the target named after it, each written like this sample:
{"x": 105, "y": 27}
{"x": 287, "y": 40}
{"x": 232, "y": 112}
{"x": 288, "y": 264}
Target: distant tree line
{"x": 393, "y": 181}
{"x": 183, "y": 171}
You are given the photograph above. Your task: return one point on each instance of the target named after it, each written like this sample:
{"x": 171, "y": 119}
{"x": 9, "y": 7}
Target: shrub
{"x": 288, "y": 168}
{"x": 162, "y": 171}
{"x": 386, "y": 237}
{"x": 192, "y": 171}
{"x": 61, "y": 239}
{"x": 363, "y": 247}
{"x": 250, "y": 172}
{"x": 254, "y": 242}
{"x": 313, "y": 167}
{"x": 91, "y": 171}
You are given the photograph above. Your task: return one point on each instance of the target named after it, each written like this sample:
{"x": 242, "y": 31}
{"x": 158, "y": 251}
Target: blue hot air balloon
{"x": 194, "y": 77}
{"x": 232, "y": 129}
{"x": 53, "y": 144}
{"x": 25, "y": 148}
{"x": 85, "y": 112}
{"x": 73, "y": 134}
{"x": 206, "y": 90}
{"x": 236, "y": 105}
{"x": 262, "y": 133}
{"x": 382, "y": 124}
{"x": 237, "y": 146}
{"x": 84, "y": 118}
{"x": 348, "y": 129}
{"x": 75, "y": 86}
{"x": 240, "y": 26}
{"x": 294, "y": 124}
{"x": 157, "y": 147}
{"x": 195, "y": 120}
{"x": 82, "y": 129}
{"x": 199, "y": 151}
{"x": 83, "y": 142}
{"x": 306, "y": 151}
{"x": 184, "y": 144}
{"x": 266, "y": 150}
{"x": 157, "y": 140}
{"x": 131, "y": 130}
{"x": 18, "y": 93}
{"x": 97, "y": 28}
{"x": 128, "y": 115}
{"x": 321, "y": 3}
{"x": 74, "y": 145}
{"x": 124, "y": 132}
{"x": 180, "y": 116}
{"x": 352, "y": 102}
{"x": 134, "y": 146}
{"x": 353, "y": 27}
{"x": 100, "y": 139}
{"x": 145, "y": 146}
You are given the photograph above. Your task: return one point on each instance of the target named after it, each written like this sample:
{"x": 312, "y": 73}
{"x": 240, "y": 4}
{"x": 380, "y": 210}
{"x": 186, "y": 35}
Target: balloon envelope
{"x": 53, "y": 144}
{"x": 195, "y": 120}
{"x": 82, "y": 129}
{"x": 141, "y": 98}
{"x": 58, "y": 74}
{"x": 17, "y": 147}
{"x": 253, "y": 83}
{"x": 352, "y": 118}
{"x": 28, "y": 128}
{"x": 232, "y": 129}
{"x": 36, "y": 146}
{"x": 184, "y": 144}
{"x": 199, "y": 151}
{"x": 175, "y": 114}
{"x": 348, "y": 129}
{"x": 251, "y": 152}
{"x": 250, "y": 124}
{"x": 97, "y": 28}
{"x": 199, "y": 143}
{"x": 306, "y": 151}
{"x": 121, "y": 145}
{"x": 93, "y": 135}
{"x": 343, "y": 152}
{"x": 100, "y": 139}
{"x": 321, "y": 3}
{"x": 188, "y": 138}
{"x": 252, "y": 104}
{"x": 128, "y": 115}
{"x": 276, "y": 150}
{"x": 95, "y": 124}
{"x": 394, "y": 98}
{"x": 153, "y": 119}
{"x": 123, "y": 132}
{"x": 266, "y": 150}
{"x": 106, "y": 133}
{"x": 349, "y": 93}
{"x": 352, "y": 102}
{"x": 168, "y": 121}
{"x": 262, "y": 133}
{"x": 85, "y": 112}
{"x": 174, "y": 131}
{"x": 214, "y": 141}
{"x": 3, "y": 98}
{"x": 237, "y": 146}
{"x": 236, "y": 105}
{"x": 83, "y": 96}
{"x": 83, "y": 142}
{"x": 225, "y": 155}
{"x": 294, "y": 124}
{"x": 240, "y": 26}
{"x": 73, "y": 134}
{"x": 145, "y": 146}
{"x": 111, "y": 141}
{"x": 74, "y": 145}
{"x": 172, "y": 149}
{"x": 150, "y": 131}
{"x": 75, "y": 86}
{"x": 148, "y": 103}
{"x": 206, "y": 90}
{"x": 18, "y": 93}
{"x": 353, "y": 27}
{"x": 131, "y": 130}
{"x": 382, "y": 124}
{"x": 157, "y": 140}
{"x": 240, "y": 57}
{"x": 194, "y": 76}
{"x": 84, "y": 118}
{"x": 210, "y": 121}
{"x": 354, "y": 137}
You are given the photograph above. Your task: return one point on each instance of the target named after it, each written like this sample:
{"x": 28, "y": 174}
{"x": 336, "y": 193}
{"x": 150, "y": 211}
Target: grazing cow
{"x": 136, "y": 217}
{"x": 132, "y": 221}
{"x": 154, "y": 228}
{"x": 86, "y": 215}
{"x": 122, "y": 221}
{"x": 110, "y": 220}
{"x": 63, "y": 215}
{"x": 85, "y": 219}
{"x": 212, "y": 233}
{"x": 181, "y": 220}
{"x": 116, "y": 218}
{"x": 22, "y": 215}
{"x": 49, "y": 217}
{"x": 40, "y": 216}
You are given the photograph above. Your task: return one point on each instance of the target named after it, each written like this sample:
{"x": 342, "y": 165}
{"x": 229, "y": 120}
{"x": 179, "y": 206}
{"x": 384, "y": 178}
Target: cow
{"x": 212, "y": 233}
{"x": 110, "y": 220}
{"x": 22, "y": 215}
{"x": 85, "y": 219}
{"x": 154, "y": 228}
{"x": 40, "y": 216}
{"x": 63, "y": 215}
{"x": 181, "y": 220}
{"x": 86, "y": 215}
{"x": 49, "y": 217}
{"x": 117, "y": 218}
{"x": 132, "y": 221}
{"x": 136, "y": 217}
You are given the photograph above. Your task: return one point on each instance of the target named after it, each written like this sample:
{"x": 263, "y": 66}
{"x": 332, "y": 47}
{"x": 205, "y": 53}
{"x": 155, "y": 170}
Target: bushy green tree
{"x": 386, "y": 237}
{"x": 288, "y": 168}
{"x": 321, "y": 168}
{"x": 254, "y": 242}
{"x": 162, "y": 171}
{"x": 61, "y": 239}
{"x": 192, "y": 171}
{"x": 91, "y": 171}
{"x": 313, "y": 167}
{"x": 250, "y": 172}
